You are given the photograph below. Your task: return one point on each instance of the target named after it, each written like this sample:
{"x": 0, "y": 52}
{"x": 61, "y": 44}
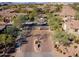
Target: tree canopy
{"x": 11, "y": 31}
{"x": 61, "y": 37}
{"x": 77, "y": 16}
{"x": 32, "y": 15}
{"x": 75, "y": 6}
{"x": 58, "y": 7}
{"x": 18, "y": 20}
{"x": 4, "y": 38}
{"x": 54, "y": 22}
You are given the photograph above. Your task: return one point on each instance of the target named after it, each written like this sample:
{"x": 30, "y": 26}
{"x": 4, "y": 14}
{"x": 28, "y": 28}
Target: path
{"x": 31, "y": 50}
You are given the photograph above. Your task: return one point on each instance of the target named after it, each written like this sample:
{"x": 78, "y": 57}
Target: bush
{"x": 64, "y": 52}
{"x": 5, "y": 39}
{"x": 58, "y": 7}
{"x": 76, "y": 55}
{"x": 75, "y": 6}
{"x": 77, "y": 16}
{"x": 77, "y": 41}
{"x": 11, "y": 31}
{"x": 75, "y": 47}
{"x": 19, "y": 20}
{"x": 61, "y": 37}
{"x": 54, "y": 22}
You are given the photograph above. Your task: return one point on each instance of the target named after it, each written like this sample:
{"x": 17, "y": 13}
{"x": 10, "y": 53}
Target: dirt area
{"x": 42, "y": 47}
{"x": 65, "y": 51}
{"x": 40, "y": 43}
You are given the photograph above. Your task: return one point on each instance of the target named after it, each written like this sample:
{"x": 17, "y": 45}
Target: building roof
{"x": 67, "y": 11}
{"x": 73, "y": 24}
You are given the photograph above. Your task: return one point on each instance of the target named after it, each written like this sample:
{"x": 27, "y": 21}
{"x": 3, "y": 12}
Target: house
{"x": 71, "y": 26}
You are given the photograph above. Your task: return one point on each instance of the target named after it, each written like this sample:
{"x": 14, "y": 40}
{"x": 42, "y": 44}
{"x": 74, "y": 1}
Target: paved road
{"x": 31, "y": 50}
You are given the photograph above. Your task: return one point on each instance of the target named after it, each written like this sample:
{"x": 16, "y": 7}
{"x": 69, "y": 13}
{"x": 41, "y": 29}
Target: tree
{"x": 32, "y": 15}
{"x": 11, "y": 31}
{"x": 19, "y": 20}
{"x": 75, "y": 6}
{"x": 61, "y": 37}
{"x": 32, "y": 5}
{"x": 1, "y": 18}
{"x": 77, "y": 16}
{"x": 5, "y": 39}
{"x": 58, "y": 7}
{"x": 54, "y": 22}
{"x": 21, "y": 5}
